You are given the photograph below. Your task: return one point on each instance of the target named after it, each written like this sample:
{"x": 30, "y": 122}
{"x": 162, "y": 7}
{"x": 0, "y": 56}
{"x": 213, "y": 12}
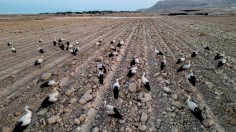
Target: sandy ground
{"x": 79, "y": 107}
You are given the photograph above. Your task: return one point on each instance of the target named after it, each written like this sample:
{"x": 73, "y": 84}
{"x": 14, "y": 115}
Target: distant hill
{"x": 190, "y": 4}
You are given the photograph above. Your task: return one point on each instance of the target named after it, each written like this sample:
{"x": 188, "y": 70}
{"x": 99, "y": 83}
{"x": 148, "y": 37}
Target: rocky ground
{"x": 79, "y": 107}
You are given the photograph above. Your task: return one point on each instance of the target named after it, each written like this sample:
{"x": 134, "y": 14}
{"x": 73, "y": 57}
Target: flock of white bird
{"x": 111, "y": 111}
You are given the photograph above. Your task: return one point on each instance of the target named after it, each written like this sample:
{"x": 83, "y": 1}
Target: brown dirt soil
{"x": 166, "y": 111}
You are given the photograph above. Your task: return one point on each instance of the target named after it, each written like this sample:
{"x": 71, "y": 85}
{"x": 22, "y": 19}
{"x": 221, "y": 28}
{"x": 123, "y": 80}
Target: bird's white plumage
{"x": 26, "y": 119}
{"x": 40, "y": 60}
{"x": 116, "y": 84}
{"x": 53, "y": 96}
{"x": 156, "y": 51}
{"x": 190, "y": 74}
{"x": 100, "y": 73}
{"x": 187, "y": 65}
{"x": 52, "y": 82}
{"x": 133, "y": 69}
{"x": 12, "y": 48}
{"x": 144, "y": 79}
{"x": 223, "y": 60}
{"x": 191, "y": 105}
{"x": 164, "y": 60}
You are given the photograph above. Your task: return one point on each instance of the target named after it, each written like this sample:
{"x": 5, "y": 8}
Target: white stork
{"x": 163, "y": 63}
{"x": 180, "y": 60}
{"x": 116, "y": 87}
{"x": 101, "y": 76}
{"x": 221, "y": 62}
{"x": 111, "y": 111}
{"x": 24, "y": 121}
{"x": 10, "y": 43}
{"x": 101, "y": 67}
{"x": 50, "y": 99}
{"x": 219, "y": 55}
{"x": 132, "y": 71}
{"x": 54, "y": 42}
{"x": 121, "y": 42}
{"x": 184, "y": 67}
{"x": 49, "y": 83}
{"x": 206, "y": 47}
{"x": 13, "y": 49}
{"x": 145, "y": 82}
{"x": 113, "y": 41}
{"x": 191, "y": 78}
{"x": 194, "y": 54}
{"x": 40, "y": 40}
{"x": 40, "y": 50}
{"x": 39, "y": 61}
{"x": 134, "y": 61}
{"x": 158, "y": 52}
{"x": 100, "y": 41}
{"x": 194, "y": 109}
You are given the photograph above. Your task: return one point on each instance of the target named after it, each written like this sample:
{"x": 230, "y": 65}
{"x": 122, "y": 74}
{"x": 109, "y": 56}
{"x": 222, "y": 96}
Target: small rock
{"x": 17, "y": 114}
{"x": 174, "y": 96}
{"x": 46, "y": 76}
{"x": 73, "y": 100}
{"x": 144, "y": 117}
{"x": 164, "y": 75}
{"x": 87, "y": 97}
{"x": 209, "y": 84}
{"x": 177, "y": 104}
{"x": 64, "y": 82}
{"x": 77, "y": 121}
{"x": 96, "y": 129}
{"x": 156, "y": 74}
{"x": 53, "y": 119}
{"x": 206, "y": 124}
{"x": 99, "y": 58}
{"x": 82, "y": 117}
{"x": 142, "y": 127}
{"x": 6, "y": 129}
{"x": 147, "y": 96}
{"x": 42, "y": 112}
{"x": 82, "y": 101}
{"x": 132, "y": 87}
{"x": 167, "y": 90}
{"x": 68, "y": 92}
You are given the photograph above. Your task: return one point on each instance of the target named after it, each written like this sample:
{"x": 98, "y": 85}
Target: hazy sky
{"x": 37, "y": 6}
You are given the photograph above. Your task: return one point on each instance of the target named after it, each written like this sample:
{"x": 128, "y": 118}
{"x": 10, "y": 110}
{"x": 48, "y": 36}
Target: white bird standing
{"x": 111, "y": 111}
{"x": 40, "y": 40}
{"x": 194, "y": 109}
{"x": 219, "y": 55}
{"x": 132, "y": 71}
{"x": 24, "y": 121}
{"x": 39, "y": 61}
{"x": 192, "y": 78}
{"x": 206, "y": 47}
{"x": 134, "y": 61}
{"x": 184, "y": 67}
{"x": 113, "y": 41}
{"x": 10, "y": 43}
{"x": 194, "y": 54}
{"x": 50, "y": 99}
{"x": 55, "y": 42}
{"x": 40, "y": 49}
{"x": 49, "y": 83}
{"x": 158, "y": 52}
{"x": 13, "y": 49}
{"x": 116, "y": 87}
{"x": 163, "y": 63}
{"x": 180, "y": 60}
{"x": 101, "y": 67}
{"x": 101, "y": 76}
{"x": 145, "y": 82}
{"x": 100, "y": 41}
{"x": 221, "y": 62}
{"x": 121, "y": 42}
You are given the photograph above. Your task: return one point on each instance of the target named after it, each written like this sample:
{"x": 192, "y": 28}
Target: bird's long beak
{"x": 30, "y": 109}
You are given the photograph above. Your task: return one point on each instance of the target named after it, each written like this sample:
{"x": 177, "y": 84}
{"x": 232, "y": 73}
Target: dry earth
{"x": 79, "y": 105}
